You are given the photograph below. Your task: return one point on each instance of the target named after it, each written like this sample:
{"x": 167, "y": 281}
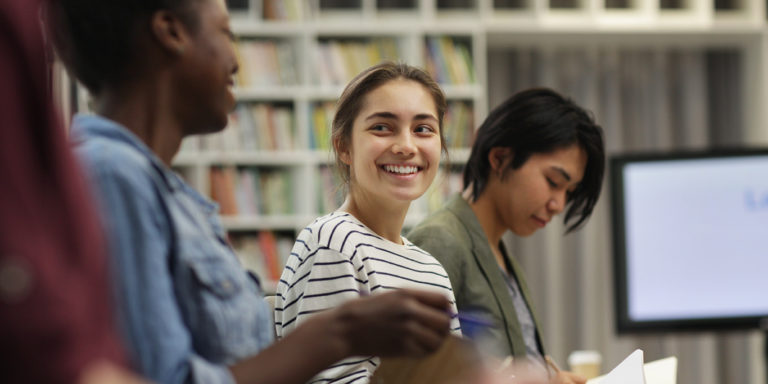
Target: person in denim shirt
{"x": 160, "y": 71}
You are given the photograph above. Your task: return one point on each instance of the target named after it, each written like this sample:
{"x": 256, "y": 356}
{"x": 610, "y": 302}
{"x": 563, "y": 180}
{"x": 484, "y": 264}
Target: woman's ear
{"x": 343, "y": 150}
{"x": 498, "y": 158}
{"x": 169, "y": 32}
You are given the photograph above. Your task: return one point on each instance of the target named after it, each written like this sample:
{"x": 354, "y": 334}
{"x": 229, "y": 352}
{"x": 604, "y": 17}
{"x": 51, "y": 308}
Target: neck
{"x": 146, "y": 110}
{"x": 487, "y": 215}
{"x": 383, "y": 219}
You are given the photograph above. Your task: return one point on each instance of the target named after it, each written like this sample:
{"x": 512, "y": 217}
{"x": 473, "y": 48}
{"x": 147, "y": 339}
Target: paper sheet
{"x": 662, "y": 371}
{"x": 633, "y": 371}
{"x": 629, "y": 371}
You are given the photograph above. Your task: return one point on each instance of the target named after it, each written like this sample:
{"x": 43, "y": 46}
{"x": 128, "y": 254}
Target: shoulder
{"x": 341, "y": 232}
{"x": 120, "y": 171}
{"x": 325, "y": 237}
{"x": 443, "y": 235}
{"x": 105, "y": 159}
{"x": 441, "y": 230}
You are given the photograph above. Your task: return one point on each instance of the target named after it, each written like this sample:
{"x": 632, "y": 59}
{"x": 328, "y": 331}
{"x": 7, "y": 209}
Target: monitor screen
{"x": 690, "y": 240}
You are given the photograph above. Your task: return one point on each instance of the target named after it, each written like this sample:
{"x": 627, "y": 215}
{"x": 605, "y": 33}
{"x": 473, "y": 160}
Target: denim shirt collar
{"x": 94, "y": 126}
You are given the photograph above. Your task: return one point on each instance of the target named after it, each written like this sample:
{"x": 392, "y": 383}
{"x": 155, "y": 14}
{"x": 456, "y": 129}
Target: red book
{"x": 269, "y": 251}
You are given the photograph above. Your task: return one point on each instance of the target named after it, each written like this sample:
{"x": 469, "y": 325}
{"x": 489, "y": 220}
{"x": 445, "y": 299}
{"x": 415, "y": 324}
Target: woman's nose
{"x": 557, "y": 203}
{"x": 404, "y": 144}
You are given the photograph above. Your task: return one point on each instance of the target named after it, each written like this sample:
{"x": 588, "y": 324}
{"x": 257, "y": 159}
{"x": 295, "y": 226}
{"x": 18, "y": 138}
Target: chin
{"x": 407, "y": 196}
{"x": 524, "y": 232}
{"x": 213, "y": 127}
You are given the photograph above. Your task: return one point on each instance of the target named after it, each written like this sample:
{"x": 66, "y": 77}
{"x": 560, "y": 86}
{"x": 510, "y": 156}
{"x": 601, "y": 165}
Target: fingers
{"x": 402, "y": 322}
{"x": 425, "y": 320}
{"x": 432, "y": 299}
{"x": 421, "y": 340}
{"x": 434, "y": 315}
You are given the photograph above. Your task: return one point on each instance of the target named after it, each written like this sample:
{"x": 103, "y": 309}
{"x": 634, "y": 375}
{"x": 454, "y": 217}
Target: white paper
{"x": 633, "y": 371}
{"x": 662, "y": 371}
{"x": 629, "y": 371}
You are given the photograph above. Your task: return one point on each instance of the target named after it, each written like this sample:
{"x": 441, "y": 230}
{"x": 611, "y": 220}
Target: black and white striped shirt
{"x": 337, "y": 258}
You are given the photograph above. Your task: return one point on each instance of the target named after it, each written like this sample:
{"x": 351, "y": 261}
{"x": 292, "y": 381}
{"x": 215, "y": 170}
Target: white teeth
{"x": 401, "y": 169}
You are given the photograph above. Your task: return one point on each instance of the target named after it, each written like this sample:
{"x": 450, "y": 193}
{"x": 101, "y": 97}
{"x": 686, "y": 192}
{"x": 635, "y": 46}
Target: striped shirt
{"x": 337, "y": 258}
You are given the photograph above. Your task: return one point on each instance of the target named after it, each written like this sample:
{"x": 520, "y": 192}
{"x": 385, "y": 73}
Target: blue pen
{"x": 474, "y": 323}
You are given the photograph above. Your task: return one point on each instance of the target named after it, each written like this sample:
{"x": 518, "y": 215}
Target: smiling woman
{"x": 388, "y": 139}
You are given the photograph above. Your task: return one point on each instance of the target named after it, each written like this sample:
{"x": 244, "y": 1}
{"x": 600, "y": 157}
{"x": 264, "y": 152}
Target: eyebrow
{"x": 390, "y": 115}
{"x": 562, "y": 172}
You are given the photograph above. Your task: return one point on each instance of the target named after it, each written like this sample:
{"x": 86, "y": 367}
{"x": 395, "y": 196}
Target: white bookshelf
{"x": 488, "y": 29}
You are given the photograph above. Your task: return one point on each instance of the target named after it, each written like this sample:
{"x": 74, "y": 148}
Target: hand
{"x": 402, "y": 322}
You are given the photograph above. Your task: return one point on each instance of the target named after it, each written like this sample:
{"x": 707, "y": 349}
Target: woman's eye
{"x": 551, "y": 183}
{"x": 424, "y": 129}
{"x": 379, "y": 127}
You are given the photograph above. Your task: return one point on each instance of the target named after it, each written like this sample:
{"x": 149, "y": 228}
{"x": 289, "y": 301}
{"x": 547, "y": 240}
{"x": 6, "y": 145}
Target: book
{"x": 223, "y": 189}
{"x": 268, "y": 246}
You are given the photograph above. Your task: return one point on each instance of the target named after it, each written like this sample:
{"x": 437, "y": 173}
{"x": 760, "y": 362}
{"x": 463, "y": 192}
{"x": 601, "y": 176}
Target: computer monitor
{"x": 690, "y": 237}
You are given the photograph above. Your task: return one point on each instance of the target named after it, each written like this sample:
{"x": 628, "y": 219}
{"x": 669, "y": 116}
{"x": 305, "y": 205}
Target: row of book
{"x": 272, "y": 62}
{"x": 255, "y": 126}
{"x": 252, "y": 191}
{"x": 458, "y": 124}
{"x": 266, "y": 62}
{"x": 449, "y": 60}
{"x": 264, "y": 253}
{"x": 330, "y": 190}
{"x": 338, "y": 61}
{"x": 320, "y": 125}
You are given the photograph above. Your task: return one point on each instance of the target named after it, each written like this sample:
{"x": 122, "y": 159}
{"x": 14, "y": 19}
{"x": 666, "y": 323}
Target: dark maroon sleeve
{"x": 55, "y": 314}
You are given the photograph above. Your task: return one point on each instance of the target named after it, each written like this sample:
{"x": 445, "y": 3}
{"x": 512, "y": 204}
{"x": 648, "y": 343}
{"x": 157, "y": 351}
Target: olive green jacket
{"x": 453, "y": 235}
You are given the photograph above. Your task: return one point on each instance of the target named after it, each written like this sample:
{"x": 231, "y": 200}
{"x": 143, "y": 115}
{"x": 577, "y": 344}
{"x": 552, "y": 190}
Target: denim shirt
{"x": 185, "y": 306}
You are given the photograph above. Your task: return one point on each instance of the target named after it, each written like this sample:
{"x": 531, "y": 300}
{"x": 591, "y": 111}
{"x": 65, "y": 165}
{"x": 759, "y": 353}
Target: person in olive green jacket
{"x": 536, "y": 155}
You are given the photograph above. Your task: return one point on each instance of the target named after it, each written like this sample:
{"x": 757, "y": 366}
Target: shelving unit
{"x": 312, "y": 48}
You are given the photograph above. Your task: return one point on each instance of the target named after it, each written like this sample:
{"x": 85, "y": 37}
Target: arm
{"x": 396, "y": 323}
{"x": 154, "y": 331}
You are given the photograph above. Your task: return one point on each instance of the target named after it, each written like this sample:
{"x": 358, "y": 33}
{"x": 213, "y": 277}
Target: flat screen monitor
{"x": 690, "y": 237}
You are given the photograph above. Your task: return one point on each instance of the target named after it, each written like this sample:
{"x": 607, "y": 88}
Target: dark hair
{"x": 351, "y": 101}
{"x": 96, "y": 39}
{"x": 540, "y": 120}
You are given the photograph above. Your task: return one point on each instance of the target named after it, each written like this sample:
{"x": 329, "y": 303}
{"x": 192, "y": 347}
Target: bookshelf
{"x": 296, "y": 56}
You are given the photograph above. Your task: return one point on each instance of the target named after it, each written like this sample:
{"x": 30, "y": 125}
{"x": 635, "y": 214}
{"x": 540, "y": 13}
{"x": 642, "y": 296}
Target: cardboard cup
{"x": 585, "y": 363}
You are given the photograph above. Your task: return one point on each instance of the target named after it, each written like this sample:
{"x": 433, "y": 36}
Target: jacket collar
{"x": 87, "y": 126}
{"x": 487, "y": 262}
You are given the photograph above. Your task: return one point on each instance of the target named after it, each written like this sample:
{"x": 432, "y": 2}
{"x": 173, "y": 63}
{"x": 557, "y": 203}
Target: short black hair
{"x": 96, "y": 39}
{"x": 539, "y": 120}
